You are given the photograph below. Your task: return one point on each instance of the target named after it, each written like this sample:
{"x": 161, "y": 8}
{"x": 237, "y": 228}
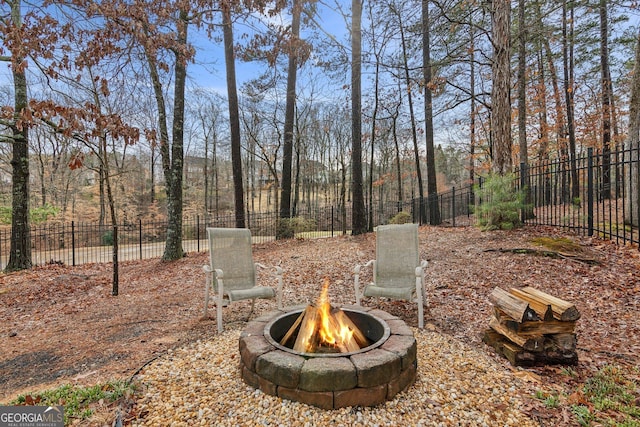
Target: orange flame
{"x": 332, "y": 331}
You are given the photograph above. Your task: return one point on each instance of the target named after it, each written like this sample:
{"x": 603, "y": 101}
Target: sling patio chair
{"x": 231, "y": 273}
{"x": 398, "y": 272}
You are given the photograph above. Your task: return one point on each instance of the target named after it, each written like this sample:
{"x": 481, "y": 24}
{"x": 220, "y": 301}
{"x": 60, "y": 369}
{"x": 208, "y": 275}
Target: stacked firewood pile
{"x": 530, "y": 327}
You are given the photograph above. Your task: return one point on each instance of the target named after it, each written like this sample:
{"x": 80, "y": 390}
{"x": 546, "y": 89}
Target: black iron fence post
{"x": 140, "y": 236}
{"x": 198, "y": 231}
{"x": 453, "y": 206}
{"x": 73, "y": 243}
{"x": 332, "y": 221}
{"x": 114, "y": 290}
{"x": 590, "y": 190}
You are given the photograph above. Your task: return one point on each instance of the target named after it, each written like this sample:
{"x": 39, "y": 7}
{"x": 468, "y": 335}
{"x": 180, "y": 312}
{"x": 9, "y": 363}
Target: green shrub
{"x": 36, "y": 215}
{"x": 500, "y": 203}
{"x": 287, "y": 228}
{"x": 400, "y": 218}
{"x": 42, "y": 213}
{"x": 107, "y": 238}
{"x": 284, "y": 229}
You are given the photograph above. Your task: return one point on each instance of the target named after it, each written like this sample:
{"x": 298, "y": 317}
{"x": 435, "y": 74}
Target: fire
{"x": 322, "y": 328}
{"x": 332, "y": 330}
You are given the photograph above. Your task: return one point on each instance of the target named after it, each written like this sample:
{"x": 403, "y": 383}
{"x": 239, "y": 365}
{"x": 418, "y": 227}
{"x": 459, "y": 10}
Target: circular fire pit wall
{"x": 366, "y": 377}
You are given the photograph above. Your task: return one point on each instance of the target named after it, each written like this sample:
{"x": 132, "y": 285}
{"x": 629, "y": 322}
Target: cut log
{"x": 358, "y": 336}
{"x": 544, "y": 311}
{"x": 565, "y": 343}
{"x": 307, "y": 340}
{"x": 530, "y": 343}
{"x": 292, "y": 330}
{"x": 518, "y": 309}
{"x": 520, "y": 357}
{"x": 562, "y": 310}
{"x": 535, "y": 327}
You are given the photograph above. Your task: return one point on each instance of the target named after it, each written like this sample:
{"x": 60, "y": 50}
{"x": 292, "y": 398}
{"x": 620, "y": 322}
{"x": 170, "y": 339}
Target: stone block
{"x": 404, "y": 346}
{"x": 328, "y": 374}
{"x": 252, "y": 347}
{"x": 369, "y": 396}
{"x": 321, "y": 399}
{"x": 280, "y": 367}
{"x": 253, "y": 328}
{"x": 398, "y": 327}
{"x": 404, "y": 380}
{"x": 249, "y": 377}
{"x": 376, "y": 367}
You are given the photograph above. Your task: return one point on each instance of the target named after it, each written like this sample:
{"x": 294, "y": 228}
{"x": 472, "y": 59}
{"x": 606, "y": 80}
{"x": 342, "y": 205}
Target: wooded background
{"x": 140, "y": 110}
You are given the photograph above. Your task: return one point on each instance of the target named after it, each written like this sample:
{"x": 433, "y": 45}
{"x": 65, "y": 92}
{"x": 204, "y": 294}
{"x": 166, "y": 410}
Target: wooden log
{"x": 544, "y": 311}
{"x": 520, "y": 357}
{"x": 529, "y": 343}
{"x": 358, "y": 336}
{"x": 347, "y": 345}
{"x": 512, "y": 352}
{"x": 562, "y": 310}
{"x": 564, "y": 343}
{"x": 518, "y": 309}
{"x": 292, "y": 330}
{"x": 535, "y": 327}
{"x": 307, "y": 340}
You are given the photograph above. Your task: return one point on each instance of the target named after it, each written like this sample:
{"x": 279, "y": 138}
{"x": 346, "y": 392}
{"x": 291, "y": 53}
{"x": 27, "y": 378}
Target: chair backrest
{"x": 397, "y": 255}
{"x": 230, "y": 251}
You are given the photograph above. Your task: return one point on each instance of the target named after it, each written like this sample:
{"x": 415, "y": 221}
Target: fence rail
{"x": 591, "y": 198}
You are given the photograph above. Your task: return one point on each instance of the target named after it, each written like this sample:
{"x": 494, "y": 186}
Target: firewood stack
{"x": 530, "y": 327}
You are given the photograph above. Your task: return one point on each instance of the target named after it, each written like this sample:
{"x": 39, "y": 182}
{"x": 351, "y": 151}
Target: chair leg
{"x": 219, "y": 313}
{"x": 206, "y": 299}
{"x": 253, "y": 303}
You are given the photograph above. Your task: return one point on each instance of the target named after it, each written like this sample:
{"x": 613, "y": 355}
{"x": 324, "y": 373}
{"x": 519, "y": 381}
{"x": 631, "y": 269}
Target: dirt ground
{"x": 61, "y": 324}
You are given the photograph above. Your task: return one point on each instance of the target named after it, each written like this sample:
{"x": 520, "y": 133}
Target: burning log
{"x": 323, "y": 328}
{"x": 308, "y": 339}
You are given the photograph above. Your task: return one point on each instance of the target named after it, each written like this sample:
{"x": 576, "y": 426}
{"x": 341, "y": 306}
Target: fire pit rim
{"x": 385, "y": 335}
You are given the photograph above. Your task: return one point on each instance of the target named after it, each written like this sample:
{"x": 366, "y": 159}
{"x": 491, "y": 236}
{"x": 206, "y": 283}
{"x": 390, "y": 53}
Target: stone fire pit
{"x": 366, "y": 377}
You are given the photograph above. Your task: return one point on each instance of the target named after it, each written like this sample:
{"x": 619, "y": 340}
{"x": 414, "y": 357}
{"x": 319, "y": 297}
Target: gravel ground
{"x": 200, "y": 384}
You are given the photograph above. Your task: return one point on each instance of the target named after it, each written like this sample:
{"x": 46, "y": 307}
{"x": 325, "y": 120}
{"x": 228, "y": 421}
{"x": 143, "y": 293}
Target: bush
{"x": 288, "y": 227}
{"x": 400, "y": 218}
{"x": 107, "y": 238}
{"x": 500, "y": 203}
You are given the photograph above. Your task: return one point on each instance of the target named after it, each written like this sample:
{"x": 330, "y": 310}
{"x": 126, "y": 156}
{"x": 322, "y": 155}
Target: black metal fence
{"x": 80, "y": 243}
{"x": 599, "y": 196}
{"x": 591, "y": 198}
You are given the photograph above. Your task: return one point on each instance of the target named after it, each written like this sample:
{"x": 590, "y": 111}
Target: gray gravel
{"x": 457, "y": 385}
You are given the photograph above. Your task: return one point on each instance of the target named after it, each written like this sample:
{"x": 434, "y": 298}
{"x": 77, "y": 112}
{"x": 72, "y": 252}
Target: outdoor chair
{"x": 231, "y": 273}
{"x": 398, "y": 273}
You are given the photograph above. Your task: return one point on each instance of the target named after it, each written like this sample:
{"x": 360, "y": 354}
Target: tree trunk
{"x": 422, "y": 216}
{"x": 527, "y": 212}
{"x": 606, "y": 101}
{"x": 289, "y": 114}
{"x": 173, "y": 245}
{"x": 567, "y": 46}
{"x": 501, "y": 85}
{"x": 432, "y": 185}
{"x": 358, "y": 219}
{"x": 472, "y": 119}
{"x": 20, "y": 251}
{"x": 632, "y": 190}
{"x": 234, "y": 116}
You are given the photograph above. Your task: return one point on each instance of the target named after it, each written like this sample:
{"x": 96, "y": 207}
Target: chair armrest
{"x": 421, "y": 267}
{"x": 356, "y": 281}
{"x": 279, "y": 273}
